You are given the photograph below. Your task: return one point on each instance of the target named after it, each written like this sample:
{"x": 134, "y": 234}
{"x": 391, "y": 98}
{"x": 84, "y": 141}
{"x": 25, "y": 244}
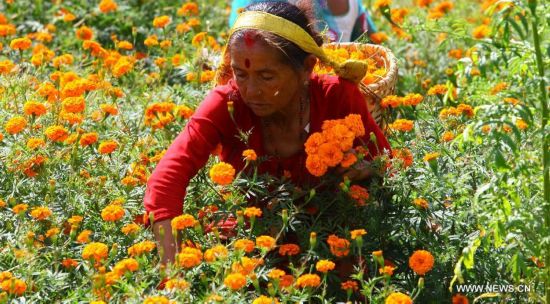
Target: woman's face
{"x": 266, "y": 84}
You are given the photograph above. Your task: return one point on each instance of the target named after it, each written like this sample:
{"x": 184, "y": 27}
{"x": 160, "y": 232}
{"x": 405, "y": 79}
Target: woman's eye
{"x": 267, "y": 78}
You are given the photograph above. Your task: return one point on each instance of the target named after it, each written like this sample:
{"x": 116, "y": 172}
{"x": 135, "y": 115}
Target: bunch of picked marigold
{"x": 332, "y": 146}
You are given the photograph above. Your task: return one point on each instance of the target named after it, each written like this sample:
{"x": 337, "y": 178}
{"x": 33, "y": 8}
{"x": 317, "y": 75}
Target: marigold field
{"x": 93, "y": 92}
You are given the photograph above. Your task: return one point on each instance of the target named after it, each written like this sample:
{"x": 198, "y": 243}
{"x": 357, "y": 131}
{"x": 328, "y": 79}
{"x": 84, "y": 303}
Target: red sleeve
{"x": 353, "y": 102}
{"x": 188, "y": 153}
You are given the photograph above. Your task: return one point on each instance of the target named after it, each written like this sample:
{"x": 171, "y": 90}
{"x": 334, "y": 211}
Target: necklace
{"x": 267, "y": 123}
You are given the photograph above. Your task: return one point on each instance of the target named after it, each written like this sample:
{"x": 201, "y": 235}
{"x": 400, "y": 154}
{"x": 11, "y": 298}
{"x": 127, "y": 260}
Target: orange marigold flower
{"x": 324, "y": 266}
{"x": 84, "y": 236}
{"x": 481, "y": 31}
{"x": 97, "y": 251}
{"x": 391, "y": 101}
{"x": 177, "y": 284}
{"x": 460, "y": 299}
{"x": 109, "y": 109}
{"x": 421, "y": 203}
{"x": 216, "y": 252}
{"x": 69, "y": 263}
{"x": 34, "y": 108}
{"x": 359, "y": 194}
{"x": 265, "y": 242}
{"x": 421, "y": 261}
{"x": 355, "y": 124}
{"x": 378, "y": 37}
{"x": 198, "y": 39}
{"x": 246, "y": 266}
{"x": 235, "y": 281}
{"x": 6, "y": 66}
{"x": 276, "y": 274}
{"x": 438, "y": 89}
{"x": 289, "y": 249}
{"x": 41, "y": 213}
{"x": 56, "y": 133}
{"x": 130, "y": 228}
{"x": 189, "y": 257}
{"x": 188, "y": 9}
{"x": 125, "y": 45}
{"x": 403, "y": 125}
{"x": 88, "y": 139}
{"x": 20, "y": 44}
{"x": 381, "y": 3}
{"x": 357, "y": 233}
{"x": 141, "y": 247}
{"x": 74, "y": 104}
{"x": 34, "y": 143}
{"x": 447, "y": 136}
{"x": 423, "y": 3}
{"x": 106, "y": 6}
{"x": 222, "y": 173}
{"x": 349, "y": 285}
{"x": 14, "y": 286}
{"x": 7, "y": 30}
{"x": 398, "y": 298}
{"x": 521, "y": 124}
{"x": 265, "y": 300}
{"x": 126, "y": 265}
{"x": 20, "y": 208}
{"x": 107, "y": 147}
{"x": 185, "y": 112}
{"x": 308, "y": 280}
{"x": 499, "y": 87}
{"x": 348, "y": 160}
{"x": 161, "y": 21}
{"x": 122, "y": 66}
{"x": 183, "y": 221}
{"x": 411, "y": 99}
{"x": 157, "y": 300}
{"x": 15, "y": 125}
{"x": 316, "y": 166}
{"x": 338, "y": 246}
{"x": 84, "y": 33}
{"x": 252, "y": 211}
{"x": 244, "y": 244}
{"x": 112, "y": 213}
{"x": 249, "y": 155}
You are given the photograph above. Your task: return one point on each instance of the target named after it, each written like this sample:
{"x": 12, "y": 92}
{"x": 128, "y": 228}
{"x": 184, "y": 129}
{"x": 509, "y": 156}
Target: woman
{"x": 273, "y": 93}
{"x": 344, "y": 20}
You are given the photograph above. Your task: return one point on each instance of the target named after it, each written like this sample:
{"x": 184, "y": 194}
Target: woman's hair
{"x": 298, "y": 15}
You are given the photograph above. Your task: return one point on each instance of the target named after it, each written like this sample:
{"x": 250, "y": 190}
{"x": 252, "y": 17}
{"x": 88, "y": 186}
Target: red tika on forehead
{"x": 249, "y": 39}
{"x": 247, "y": 63}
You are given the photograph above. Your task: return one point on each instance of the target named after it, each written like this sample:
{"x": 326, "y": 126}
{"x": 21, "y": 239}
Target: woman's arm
{"x": 166, "y": 187}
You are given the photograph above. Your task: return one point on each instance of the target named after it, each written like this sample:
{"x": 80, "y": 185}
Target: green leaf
{"x": 500, "y": 162}
{"x": 469, "y": 252}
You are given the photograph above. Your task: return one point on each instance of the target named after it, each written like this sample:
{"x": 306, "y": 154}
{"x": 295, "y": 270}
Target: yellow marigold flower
{"x": 84, "y": 236}
{"x": 157, "y": 300}
{"x": 56, "y": 133}
{"x": 265, "y": 300}
{"x": 6, "y": 66}
{"x": 216, "y": 252}
{"x": 189, "y": 257}
{"x": 107, "y": 147}
{"x": 250, "y": 155}
{"x": 130, "y": 228}
{"x": 140, "y": 248}
{"x": 164, "y": 44}
{"x": 246, "y": 266}
{"x": 521, "y": 124}
{"x": 188, "y": 9}
{"x": 122, "y": 66}
{"x": 74, "y": 104}
{"x": 106, "y": 6}
{"x": 40, "y": 213}
{"x": 75, "y": 220}
{"x": 481, "y": 31}
{"x": 276, "y": 274}
{"x": 244, "y": 244}
{"x": 252, "y": 211}
{"x": 125, "y": 45}
{"x": 7, "y": 30}
{"x": 15, "y": 125}
{"x": 112, "y": 213}
{"x": 177, "y": 284}
{"x": 235, "y": 281}
{"x": 398, "y": 298}
{"x": 222, "y": 173}
{"x": 265, "y": 242}
{"x": 84, "y": 33}
{"x": 289, "y": 249}
{"x": 324, "y": 266}
{"x": 198, "y": 39}
{"x": 51, "y": 232}
{"x": 97, "y": 251}
{"x": 308, "y": 280}
{"x": 109, "y": 109}
{"x": 65, "y": 59}
{"x": 357, "y": 233}
{"x": 34, "y": 108}
{"x": 20, "y": 208}
{"x": 88, "y": 139}
{"x": 151, "y": 41}
{"x": 183, "y": 221}
{"x": 349, "y": 285}
{"x": 431, "y": 156}
{"x": 421, "y": 203}
{"x": 20, "y": 44}
{"x": 207, "y": 76}
{"x": 126, "y": 265}
{"x": 14, "y": 286}
{"x": 381, "y": 3}
{"x": 161, "y": 21}
{"x": 421, "y": 261}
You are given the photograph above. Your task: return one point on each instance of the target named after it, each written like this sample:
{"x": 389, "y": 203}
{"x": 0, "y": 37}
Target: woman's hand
{"x": 357, "y": 172}
{"x": 168, "y": 245}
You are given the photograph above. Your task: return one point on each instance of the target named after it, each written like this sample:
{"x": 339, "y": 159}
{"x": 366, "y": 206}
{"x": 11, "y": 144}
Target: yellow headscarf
{"x": 353, "y": 70}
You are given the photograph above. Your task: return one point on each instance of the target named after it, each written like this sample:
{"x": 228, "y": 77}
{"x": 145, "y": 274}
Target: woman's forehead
{"x": 257, "y": 54}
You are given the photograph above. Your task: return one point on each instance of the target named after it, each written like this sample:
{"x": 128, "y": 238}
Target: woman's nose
{"x": 253, "y": 89}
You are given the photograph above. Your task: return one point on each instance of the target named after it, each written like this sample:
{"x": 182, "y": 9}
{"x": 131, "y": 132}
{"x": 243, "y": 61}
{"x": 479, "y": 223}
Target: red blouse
{"x": 330, "y": 98}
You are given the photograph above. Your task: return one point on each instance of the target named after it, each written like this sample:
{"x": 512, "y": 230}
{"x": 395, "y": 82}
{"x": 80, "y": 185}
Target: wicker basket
{"x": 381, "y": 87}
{"x": 374, "y": 91}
